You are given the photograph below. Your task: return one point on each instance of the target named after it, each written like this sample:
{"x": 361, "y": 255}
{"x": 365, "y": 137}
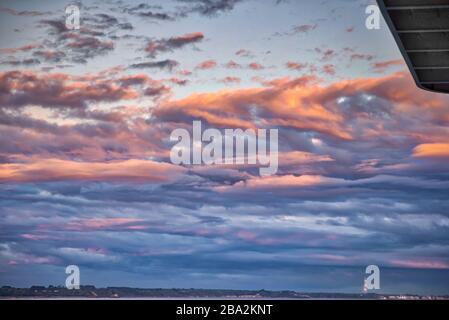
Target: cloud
{"x": 420, "y": 264}
{"x": 178, "y": 81}
{"x": 95, "y": 38}
{"x": 304, "y": 28}
{"x": 275, "y": 104}
{"x": 206, "y": 65}
{"x": 209, "y": 7}
{"x": 432, "y": 150}
{"x": 329, "y": 69}
{"x": 154, "y": 47}
{"x": 232, "y": 65}
{"x": 23, "y": 48}
{"x": 326, "y": 54}
{"x": 162, "y": 64}
{"x": 96, "y": 224}
{"x": 74, "y": 94}
{"x": 23, "y": 13}
{"x": 244, "y": 53}
{"x": 26, "y": 62}
{"x": 21, "y": 89}
{"x": 60, "y": 170}
{"x": 290, "y": 182}
{"x": 89, "y": 47}
{"x": 75, "y": 47}
{"x": 255, "y": 66}
{"x": 296, "y": 65}
{"x": 57, "y": 26}
{"x": 144, "y": 10}
{"x": 50, "y": 55}
{"x": 155, "y": 15}
{"x": 361, "y": 56}
{"x": 230, "y": 80}
{"x": 384, "y": 65}
{"x": 299, "y": 29}
{"x": 279, "y": 182}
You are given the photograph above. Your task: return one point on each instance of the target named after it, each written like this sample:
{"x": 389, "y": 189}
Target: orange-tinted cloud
{"x": 60, "y": 170}
{"x": 289, "y": 103}
{"x": 432, "y": 150}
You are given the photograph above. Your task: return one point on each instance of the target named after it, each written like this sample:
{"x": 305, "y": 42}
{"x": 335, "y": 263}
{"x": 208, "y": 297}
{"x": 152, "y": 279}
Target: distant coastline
{"x": 91, "y": 292}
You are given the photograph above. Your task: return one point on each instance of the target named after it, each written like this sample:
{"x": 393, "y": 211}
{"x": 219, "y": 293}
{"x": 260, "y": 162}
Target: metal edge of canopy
{"x": 392, "y": 27}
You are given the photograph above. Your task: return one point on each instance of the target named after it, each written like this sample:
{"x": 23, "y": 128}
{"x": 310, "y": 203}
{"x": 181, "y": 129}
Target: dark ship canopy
{"x": 421, "y": 30}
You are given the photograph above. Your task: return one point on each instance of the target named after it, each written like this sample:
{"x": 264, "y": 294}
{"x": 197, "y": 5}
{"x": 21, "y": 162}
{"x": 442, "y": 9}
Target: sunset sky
{"x": 85, "y": 171}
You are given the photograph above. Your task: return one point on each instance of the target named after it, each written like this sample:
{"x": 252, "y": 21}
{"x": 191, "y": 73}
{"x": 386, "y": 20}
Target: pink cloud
{"x": 206, "y": 65}
{"x": 296, "y": 65}
{"x": 256, "y": 66}
{"x": 58, "y": 170}
{"x": 416, "y": 264}
{"x": 384, "y": 65}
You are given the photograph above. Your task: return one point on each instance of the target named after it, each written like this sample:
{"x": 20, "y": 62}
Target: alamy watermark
{"x": 73, "y": 280}
{"x": 227, "y": 147}
{"x": 72, "y": 20}
{"x": 372, "y": 282}
{"x": 372, "y": 22}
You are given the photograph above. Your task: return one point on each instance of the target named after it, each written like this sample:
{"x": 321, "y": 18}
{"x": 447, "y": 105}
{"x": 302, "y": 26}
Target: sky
{"x": 85, "y": 170}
